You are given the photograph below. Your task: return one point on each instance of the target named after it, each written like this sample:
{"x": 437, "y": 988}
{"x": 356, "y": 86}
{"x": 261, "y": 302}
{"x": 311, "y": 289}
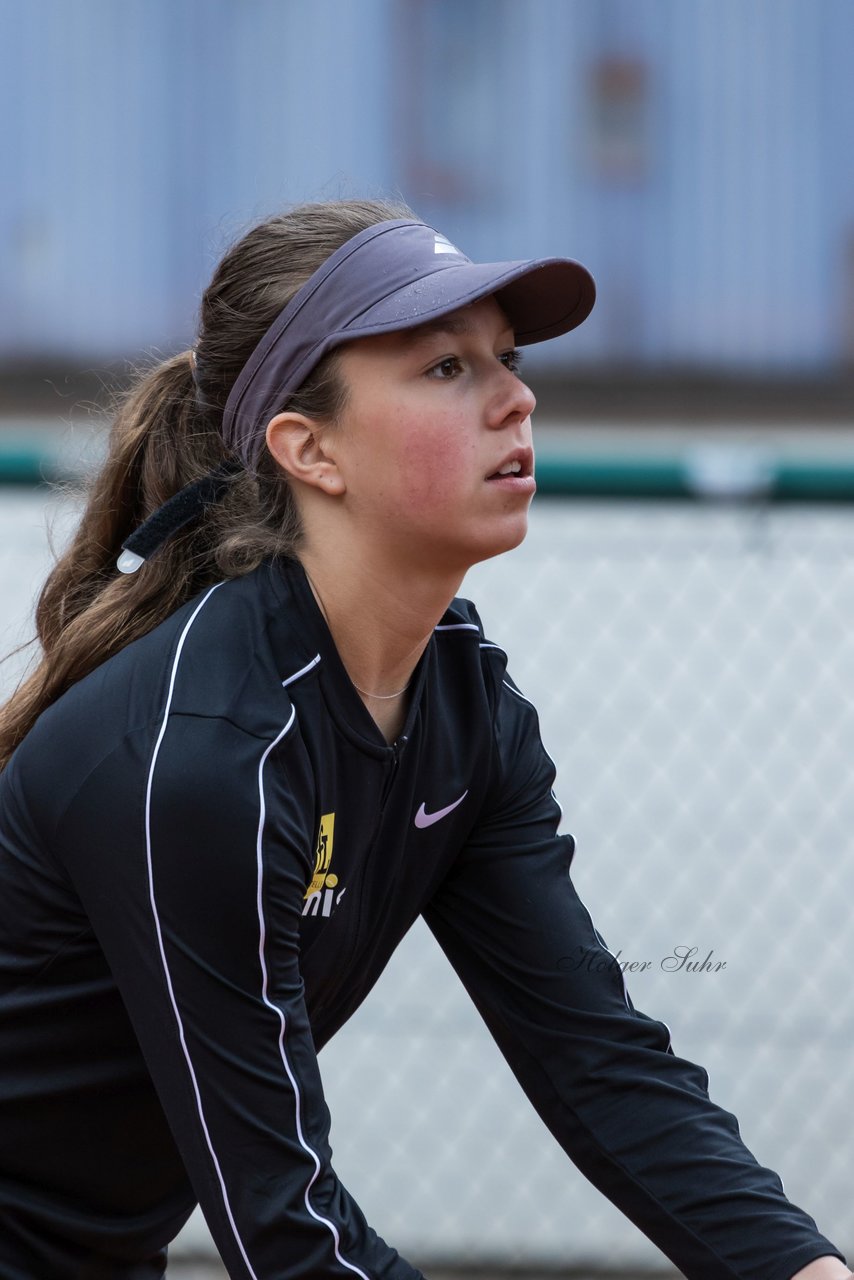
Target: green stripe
{"x": 817, "y": 481}
{"x": 611, "y": 477}
{"x": 801, "y": 480}
{"x": 20, "y": 465}
{"x": 574, "y": 475}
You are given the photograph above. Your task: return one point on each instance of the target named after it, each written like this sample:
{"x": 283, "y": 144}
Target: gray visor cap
{"x": 392, "y": 276}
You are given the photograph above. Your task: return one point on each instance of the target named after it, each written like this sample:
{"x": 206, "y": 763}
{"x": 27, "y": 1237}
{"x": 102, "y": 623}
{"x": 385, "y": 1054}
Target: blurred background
{"x": 681, "y": 610}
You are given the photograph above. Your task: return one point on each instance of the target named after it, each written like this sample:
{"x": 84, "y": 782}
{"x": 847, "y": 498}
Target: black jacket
{"x": 207, "y": 855}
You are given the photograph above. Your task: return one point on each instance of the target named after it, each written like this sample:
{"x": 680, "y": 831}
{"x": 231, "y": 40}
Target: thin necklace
{"x": 380, "y": 697}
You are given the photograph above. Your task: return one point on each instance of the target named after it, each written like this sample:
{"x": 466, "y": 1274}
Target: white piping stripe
{"x": 262, "y": 932}
{"x": 458, "y": 626}
{"x": 163, "y": 959}
{"x": 512, "y": 689}
{"x": 302, "y": 671}
{"x": 487, "y": 644}
{"x": 507, "y": 684}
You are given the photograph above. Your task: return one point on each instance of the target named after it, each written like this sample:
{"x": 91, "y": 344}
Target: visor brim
{"x": 542, "y": 298}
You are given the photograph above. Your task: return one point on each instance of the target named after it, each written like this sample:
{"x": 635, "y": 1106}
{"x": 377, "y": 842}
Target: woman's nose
{"x": 516, "y": 401}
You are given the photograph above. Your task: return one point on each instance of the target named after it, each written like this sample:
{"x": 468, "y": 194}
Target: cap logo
{"x": 441, "y": 244}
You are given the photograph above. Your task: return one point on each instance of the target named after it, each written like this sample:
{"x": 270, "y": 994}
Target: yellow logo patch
{"x": 323, "y": 877}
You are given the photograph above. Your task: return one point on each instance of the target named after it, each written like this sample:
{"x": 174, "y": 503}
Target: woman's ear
{"x": 296, "y": 442}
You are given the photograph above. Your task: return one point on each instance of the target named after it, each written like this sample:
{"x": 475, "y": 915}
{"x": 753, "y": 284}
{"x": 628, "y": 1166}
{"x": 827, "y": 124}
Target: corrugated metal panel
{"x": 97, "y": 195}
{"x": 303, "y": 105}
{"x": 165, "y": 126}
{"x": 711, "y": 246}
{"x": 741, "y": 259}
{"x": 837, "y": 90}
{"x": 694, "y": 155}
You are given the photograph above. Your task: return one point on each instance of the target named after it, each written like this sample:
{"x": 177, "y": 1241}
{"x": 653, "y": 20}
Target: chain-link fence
{"x": 694, "y": 667}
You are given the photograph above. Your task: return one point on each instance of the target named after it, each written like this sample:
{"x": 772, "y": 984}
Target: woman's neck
{"x": 380, "y": 626}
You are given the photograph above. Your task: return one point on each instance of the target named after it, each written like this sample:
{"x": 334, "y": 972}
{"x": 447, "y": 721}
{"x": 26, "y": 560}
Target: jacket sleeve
{"x": 636, "y": 1119}
{"x": 191, "y": 860}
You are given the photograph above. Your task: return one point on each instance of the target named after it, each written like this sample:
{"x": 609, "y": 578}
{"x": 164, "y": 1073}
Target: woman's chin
{"x": 511, "y": 535}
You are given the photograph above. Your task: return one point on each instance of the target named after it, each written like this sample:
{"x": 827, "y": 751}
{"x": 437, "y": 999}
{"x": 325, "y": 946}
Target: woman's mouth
{"x": 516, "y": 472}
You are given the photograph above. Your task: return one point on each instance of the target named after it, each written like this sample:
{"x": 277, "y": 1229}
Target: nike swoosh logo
{"x": 425, "y": 819}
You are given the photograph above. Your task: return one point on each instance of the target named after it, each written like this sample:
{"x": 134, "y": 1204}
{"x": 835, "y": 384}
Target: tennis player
{"x": 264, "y": 736}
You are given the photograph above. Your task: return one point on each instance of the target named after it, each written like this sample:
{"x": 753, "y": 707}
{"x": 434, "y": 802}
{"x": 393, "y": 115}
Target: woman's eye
{"x": 446, "y": 369}
{"x": 512, "y": 360}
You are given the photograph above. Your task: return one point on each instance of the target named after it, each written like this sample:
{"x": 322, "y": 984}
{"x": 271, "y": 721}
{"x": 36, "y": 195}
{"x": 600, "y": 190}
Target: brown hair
{"x": 164, "y": 436}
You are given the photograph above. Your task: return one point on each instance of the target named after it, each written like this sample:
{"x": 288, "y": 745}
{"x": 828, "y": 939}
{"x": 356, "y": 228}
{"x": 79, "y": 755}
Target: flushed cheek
{"x": 436, "y": 472}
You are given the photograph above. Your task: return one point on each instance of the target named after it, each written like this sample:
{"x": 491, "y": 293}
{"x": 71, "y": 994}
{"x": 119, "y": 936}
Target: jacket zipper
{"x": 390, "y": 777}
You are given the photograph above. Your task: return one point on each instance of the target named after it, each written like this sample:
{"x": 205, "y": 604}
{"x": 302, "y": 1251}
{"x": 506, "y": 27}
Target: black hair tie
{"x": 185, "y": 505}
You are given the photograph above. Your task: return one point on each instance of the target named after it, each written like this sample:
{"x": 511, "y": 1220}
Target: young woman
{"x": 261, "y": 745}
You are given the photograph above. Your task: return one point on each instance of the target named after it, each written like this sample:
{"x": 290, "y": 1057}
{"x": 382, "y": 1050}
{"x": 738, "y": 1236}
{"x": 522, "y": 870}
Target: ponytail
{"x": 87, "y": 611}
{"x": 164, "y": 437}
